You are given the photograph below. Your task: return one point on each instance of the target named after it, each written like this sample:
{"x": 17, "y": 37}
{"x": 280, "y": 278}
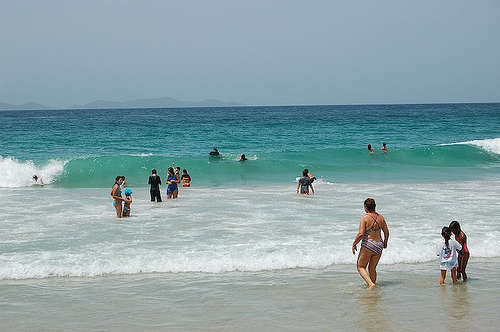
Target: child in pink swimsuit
{"x": 463, "y": 255}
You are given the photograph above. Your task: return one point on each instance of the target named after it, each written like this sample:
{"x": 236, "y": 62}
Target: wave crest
{"x": 18, "y": 174}
{"x": 491, "y": 145}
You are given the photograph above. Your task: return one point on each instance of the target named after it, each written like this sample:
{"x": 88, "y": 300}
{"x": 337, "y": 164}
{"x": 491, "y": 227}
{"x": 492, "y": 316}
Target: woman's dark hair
{"x": 305, "y": 172}
{"x": 170, "y": 170}
{"x": 153, "y": 171}
{"x": 455, "y": 227}
{"x": 118, "y": 178}
{"x": 370, "y": 204}
{"x": 446, "y": 234}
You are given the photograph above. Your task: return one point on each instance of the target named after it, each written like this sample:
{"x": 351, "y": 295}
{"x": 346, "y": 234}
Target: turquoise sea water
{"x": 88, "y": 148}
{"x": 240, "y": 250}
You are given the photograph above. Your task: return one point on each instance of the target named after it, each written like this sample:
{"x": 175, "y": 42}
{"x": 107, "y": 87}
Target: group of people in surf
{"x": 174, "y": 178}
{"x": 453, "y": 253}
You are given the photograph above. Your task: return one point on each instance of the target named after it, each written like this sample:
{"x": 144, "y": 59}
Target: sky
{"x": 279, "y": 52}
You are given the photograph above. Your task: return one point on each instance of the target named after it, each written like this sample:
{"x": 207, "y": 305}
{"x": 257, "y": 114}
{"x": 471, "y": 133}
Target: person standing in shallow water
{"x": 370, "y": 226}
{"x": 463, "y": 255}
{"x": 154, "y": 183}
{"x": 304, "y": 183}
{"x": 172, "y": 182}
{"x": 448, "y": 256}
{"x": 116, "y": 193}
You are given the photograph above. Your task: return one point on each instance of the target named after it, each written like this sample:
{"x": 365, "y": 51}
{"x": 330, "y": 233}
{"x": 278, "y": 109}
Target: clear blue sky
{"x": 279, "y": 52}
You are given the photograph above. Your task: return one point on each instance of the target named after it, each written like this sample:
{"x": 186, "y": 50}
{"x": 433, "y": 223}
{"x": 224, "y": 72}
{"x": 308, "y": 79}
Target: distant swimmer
{"x": 384, "y": 147}
{"x": 214, "y": 152}
{"x": 242, "y": 158}
{"x": 38, "y": 180}
{"x": 370, "y": 149}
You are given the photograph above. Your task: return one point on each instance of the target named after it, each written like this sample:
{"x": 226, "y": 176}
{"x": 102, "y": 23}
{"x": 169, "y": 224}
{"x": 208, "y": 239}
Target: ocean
{"x": 240, "y": 249}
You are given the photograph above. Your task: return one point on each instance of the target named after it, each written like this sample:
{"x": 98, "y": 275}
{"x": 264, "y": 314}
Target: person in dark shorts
{"x": 155, "y": 182}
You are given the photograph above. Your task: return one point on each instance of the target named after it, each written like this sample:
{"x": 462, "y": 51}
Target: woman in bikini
{"x": 116, "y": 193}
{"x": 370, "y": 227}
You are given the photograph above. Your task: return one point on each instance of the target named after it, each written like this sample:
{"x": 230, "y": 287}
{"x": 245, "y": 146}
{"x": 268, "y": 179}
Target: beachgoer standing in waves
{"x": 154, "y": 182}
{"x": 372, "y": 244}
{"x": 186, "y": 178}
{"x": 172, "y": 181}
{"x": 116, "y": 193}
{"x": 384, "y": 147}
{"x": 304, "y": 183}
{"x": 448, "y": 255}
{"x": 128, "y": 201}
{"x": 463, "y": 255}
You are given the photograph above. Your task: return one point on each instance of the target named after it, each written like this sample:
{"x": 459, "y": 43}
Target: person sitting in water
{"x": 384, "y": 147}
{"x": 242, "y": 158}
{"x": 36, "y": 178}
{"x": 370, "y": 149}
{"x": 214, "y": 152}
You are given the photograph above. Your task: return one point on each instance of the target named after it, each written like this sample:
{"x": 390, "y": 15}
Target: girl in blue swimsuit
{"x": 172, "y": 182}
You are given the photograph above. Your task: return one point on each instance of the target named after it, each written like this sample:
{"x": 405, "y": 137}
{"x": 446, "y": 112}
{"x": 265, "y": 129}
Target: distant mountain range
{"x": 164, "y": 102}
{"x": 27, "y": 106}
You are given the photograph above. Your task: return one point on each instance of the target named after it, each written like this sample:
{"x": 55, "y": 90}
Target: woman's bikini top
{"x": 368, "y": 231}
{"x": 119, "y": 192}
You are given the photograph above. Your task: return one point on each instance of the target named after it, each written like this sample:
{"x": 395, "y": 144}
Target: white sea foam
{"x": 17, "y": 174}
{"x": 73, "y": 232}
{"x": 491, "y": 145}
